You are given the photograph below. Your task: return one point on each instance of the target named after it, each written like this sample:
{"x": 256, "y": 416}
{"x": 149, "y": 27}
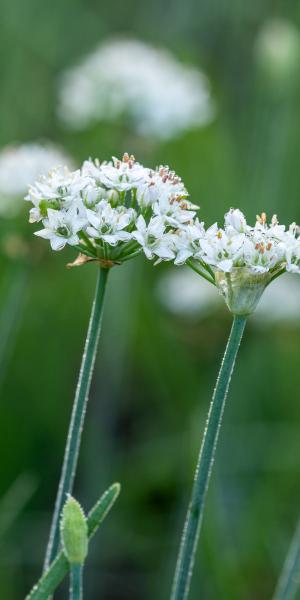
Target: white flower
{"x": 158, "y": 183}
{"x": 20, "y": 165}
{"x": 221, "y": 249}
{"x": 235, "y": 222}
{"x": 122, "y": 175}
{"x": 61, "y": 228}
{"x": 159, "y": 96}
{"x": 186, "y": 241}
{"x": 173, "y": 209}
{"x": 262, "y": 253}
{"x": 153, "y": 239}
{"x": 291, "y": 248}
{"x": 108, "y": 223}
{"x": 59, "y": 189}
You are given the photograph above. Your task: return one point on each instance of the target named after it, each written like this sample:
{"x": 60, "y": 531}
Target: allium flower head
{"x": 261, "y": 248}
{"x": 113, "y": 210}
{"x": 158, "y": 95}
{"x": 242, "y": 259}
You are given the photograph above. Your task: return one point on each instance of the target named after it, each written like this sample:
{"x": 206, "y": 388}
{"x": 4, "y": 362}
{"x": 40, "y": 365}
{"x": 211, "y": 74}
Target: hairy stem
{"x": 191, "y": 531}
{"x": 78, "y": 414}
{"x": 76, "y": 582}
{"x": 289, "y": 580}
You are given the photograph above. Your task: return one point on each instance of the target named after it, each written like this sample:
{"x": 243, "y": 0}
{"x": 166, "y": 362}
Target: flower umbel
{"x": 112, "y": 211}
{"x": 241, "y": 260}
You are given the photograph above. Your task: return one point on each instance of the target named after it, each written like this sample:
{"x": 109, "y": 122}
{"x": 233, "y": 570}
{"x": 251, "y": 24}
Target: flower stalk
{"x": 78, "y": 413}
{"x": 191, "y": 531}
{"x": 76, "y": 582}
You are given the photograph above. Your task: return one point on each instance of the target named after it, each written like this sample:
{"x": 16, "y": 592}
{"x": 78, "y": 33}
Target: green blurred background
{"x": 156, "y": 368}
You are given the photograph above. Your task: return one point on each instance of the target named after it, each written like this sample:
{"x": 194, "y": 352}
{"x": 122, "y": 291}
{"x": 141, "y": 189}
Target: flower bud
{"x": 74, "y": 532}
{"x": 242, "y": 289}
{"x": 113, "y": 197}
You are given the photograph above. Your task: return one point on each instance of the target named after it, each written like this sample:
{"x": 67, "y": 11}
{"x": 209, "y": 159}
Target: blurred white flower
{"x": 277, "y": 50}
{"x": 280, "y": 302}
{"x": 125, "y": 77}
{"x": 186, "y": 294}
{"x": 20, "y": 165}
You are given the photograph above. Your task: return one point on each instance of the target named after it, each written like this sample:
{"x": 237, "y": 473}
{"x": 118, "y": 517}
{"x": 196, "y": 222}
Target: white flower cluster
{"x": 239, "y": 259}
{"x": 21, "y": 165}
{"x": 160, "y": 96}
{"x": 112, "y": 210}
{"x": 262, "y": 248}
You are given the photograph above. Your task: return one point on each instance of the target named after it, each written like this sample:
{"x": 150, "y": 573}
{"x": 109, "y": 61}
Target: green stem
{"x": 289, "y": 580}
{"x": 76, "y": 582}
{"x": 78, "y": 413}
{"x": 191, "y": 531}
